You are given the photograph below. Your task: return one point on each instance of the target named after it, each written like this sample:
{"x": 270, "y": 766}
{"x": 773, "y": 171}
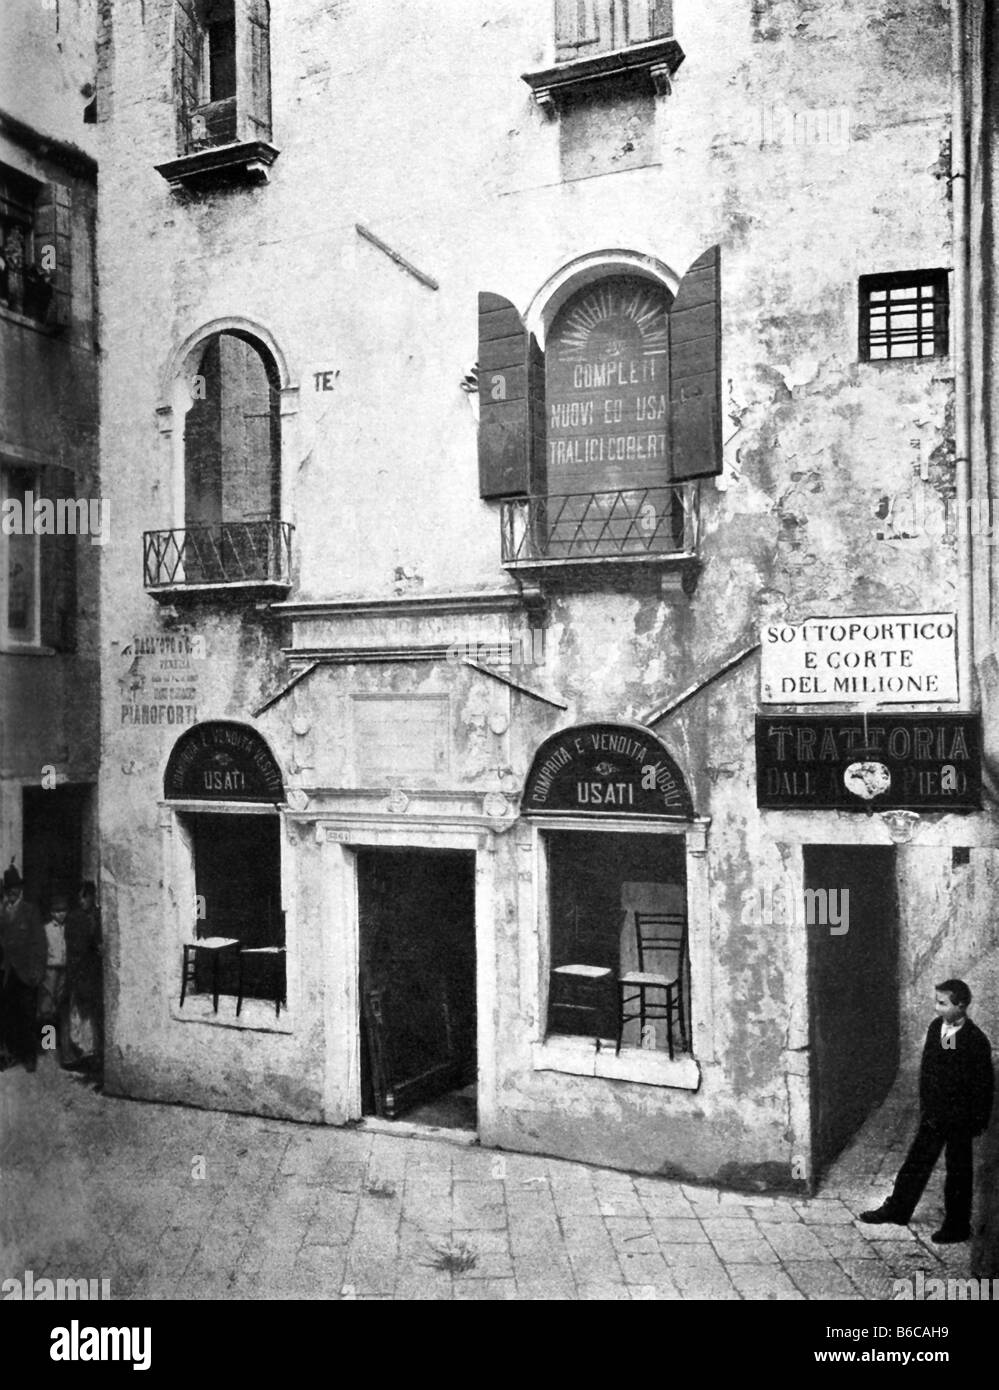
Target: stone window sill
{"x": 579, "y": 1057}
{"x": 644, "y": 67}
{"x": 246, "y": 161}
{"x": 256, "y": 1016}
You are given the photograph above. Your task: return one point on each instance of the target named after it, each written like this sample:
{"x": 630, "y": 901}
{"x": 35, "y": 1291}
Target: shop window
{"x": 39, "y": 567}
{"x": 34, "y": 248}
{"x": 598, "y": 884}
{"x": 237, "y": 873}
{"x": 222, "y": 89}
{"x": 904, "y": 315}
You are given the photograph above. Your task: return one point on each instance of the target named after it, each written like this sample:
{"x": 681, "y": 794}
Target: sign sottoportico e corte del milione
{"x": 880, "y": 659}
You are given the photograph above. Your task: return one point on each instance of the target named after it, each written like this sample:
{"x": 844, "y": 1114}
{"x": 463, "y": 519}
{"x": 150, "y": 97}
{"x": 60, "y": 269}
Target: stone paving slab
{"x": 168, "y": 1202}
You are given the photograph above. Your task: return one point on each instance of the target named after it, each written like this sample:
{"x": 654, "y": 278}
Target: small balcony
{"x": 237, "y": 557}
{"x": 655, "y": 527}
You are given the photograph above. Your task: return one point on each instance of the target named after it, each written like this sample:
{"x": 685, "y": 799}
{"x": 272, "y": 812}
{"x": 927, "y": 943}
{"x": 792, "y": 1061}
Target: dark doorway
{"x": 237, "y": 873}
{"x": 53, "y": 842}
{"x": 853, "y": 988}
{"x": 417, "y": 982}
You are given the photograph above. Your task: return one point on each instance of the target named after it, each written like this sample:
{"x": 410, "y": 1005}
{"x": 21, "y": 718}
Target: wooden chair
{"x": 274, "y": 957}
{"x": 664, "y": 933}
{"x": 578, "y": 1000}
{"x": 212, "y": 946}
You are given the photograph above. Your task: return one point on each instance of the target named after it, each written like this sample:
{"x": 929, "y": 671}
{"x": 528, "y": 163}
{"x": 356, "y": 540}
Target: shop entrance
{"x": 853, "y": 988}
{"x": 53, "y": 842}
{"x": 416, "y": 910}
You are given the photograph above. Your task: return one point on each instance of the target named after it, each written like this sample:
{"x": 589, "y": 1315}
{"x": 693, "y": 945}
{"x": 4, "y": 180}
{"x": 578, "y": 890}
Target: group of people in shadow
{"x": 50, "y": 978}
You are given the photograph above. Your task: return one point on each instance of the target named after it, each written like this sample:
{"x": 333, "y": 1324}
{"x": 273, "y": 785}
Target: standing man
{"x": 955, "y": 1100}
{"x": 24, "y": 956}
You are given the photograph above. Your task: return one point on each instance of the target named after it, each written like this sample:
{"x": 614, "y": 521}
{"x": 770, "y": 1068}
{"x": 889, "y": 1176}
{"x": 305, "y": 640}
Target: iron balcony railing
{"x": 233, "y": 552}
{"x": 632, "y": 523}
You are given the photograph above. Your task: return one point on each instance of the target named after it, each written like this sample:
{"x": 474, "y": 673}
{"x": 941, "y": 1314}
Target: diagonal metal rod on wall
{"x": 394, "y": 256}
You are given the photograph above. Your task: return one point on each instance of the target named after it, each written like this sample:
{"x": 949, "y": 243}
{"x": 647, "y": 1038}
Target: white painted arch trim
{"x": 179, "y": 361}
{"x": 176, "y": 400}
{"x": 588, "y": 269}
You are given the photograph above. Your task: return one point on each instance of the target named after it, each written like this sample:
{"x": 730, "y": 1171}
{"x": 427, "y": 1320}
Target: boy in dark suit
{"x": 955, "y": 1102}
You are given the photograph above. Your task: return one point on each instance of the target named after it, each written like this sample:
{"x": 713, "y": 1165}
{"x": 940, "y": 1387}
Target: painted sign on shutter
{"x": 608, "y": 390}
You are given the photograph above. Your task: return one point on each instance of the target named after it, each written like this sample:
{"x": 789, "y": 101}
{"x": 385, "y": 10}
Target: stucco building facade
{"x": 493, "y": 396}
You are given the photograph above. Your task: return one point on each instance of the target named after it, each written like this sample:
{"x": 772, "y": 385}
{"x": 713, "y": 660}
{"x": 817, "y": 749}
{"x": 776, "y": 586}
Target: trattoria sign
{"x": 222, "y": 762}
{"x": 899, "y": 659}
{"x": 898, "y": 762}
{"x": 606, "y": 769}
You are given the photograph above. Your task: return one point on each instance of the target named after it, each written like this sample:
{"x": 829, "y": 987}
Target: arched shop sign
{"x": 221, "y": 761}
{"x": 606, "y": 770}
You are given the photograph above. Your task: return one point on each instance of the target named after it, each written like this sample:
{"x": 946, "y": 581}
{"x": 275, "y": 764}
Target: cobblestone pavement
{"x": 168, "y": 1202}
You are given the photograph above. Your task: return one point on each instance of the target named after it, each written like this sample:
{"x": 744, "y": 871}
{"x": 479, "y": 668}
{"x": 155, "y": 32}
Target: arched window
{"x": 222, "y": 408}
{"x": 596, "y": 433}
{"x": 232, "y": 462}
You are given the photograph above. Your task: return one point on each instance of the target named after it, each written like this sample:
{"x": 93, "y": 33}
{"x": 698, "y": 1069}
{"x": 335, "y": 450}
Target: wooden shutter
{"x": 57, "y": 562}
{"x": 649, "y": 19}
{"x": 54, "y": 248}
{"x": 505, "y": 415}
{"x": 580, "y": 26}
{"x": 188, "y": 41}
{"x": 695, "y": 371}
{"x": 253, "y": 70}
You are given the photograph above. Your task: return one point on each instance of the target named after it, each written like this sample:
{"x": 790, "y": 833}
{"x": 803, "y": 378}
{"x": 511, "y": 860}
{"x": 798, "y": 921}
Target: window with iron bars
{"x": 904, "y": 315}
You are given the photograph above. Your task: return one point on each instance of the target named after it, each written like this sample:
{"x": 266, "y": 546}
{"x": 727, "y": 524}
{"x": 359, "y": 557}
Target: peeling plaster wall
{"x": 458, "y": 170}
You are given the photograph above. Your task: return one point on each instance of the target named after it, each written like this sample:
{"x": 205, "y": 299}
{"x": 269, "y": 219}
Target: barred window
{"x": 903, "y": 315}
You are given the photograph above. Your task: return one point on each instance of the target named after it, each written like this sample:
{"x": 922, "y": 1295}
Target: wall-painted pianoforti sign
{"x": 222, "y": 762}
{"x": 900, "y": 762}
{"x": 606, "y": 769}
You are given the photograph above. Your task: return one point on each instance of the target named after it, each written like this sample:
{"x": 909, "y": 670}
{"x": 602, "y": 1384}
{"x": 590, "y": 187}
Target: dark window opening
{"x": 601, "y": 889}
{"x": 221, "y": 35}
{"x": 237, "y": 870}
{"x": 904, "y": 315}
{"x": 25, "y": 281}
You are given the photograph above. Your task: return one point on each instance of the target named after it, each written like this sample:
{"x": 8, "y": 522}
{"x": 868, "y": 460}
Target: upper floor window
{"x": 222, "y": 72}
{"x": 232, "y": 531}
{"x": 38, "y": 567}
{"x": 625, "y": 394}
{"x": 904, "y": 315}
{"x": 587, "y": 27}
{"x": 35, "y": 239}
